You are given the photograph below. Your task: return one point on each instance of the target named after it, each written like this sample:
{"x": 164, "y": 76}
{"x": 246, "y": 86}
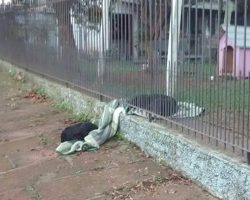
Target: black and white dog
{"x": 159, "y": 104}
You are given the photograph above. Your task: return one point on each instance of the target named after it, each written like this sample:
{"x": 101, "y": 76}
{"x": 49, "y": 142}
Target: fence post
{"x": 174, "y": 32}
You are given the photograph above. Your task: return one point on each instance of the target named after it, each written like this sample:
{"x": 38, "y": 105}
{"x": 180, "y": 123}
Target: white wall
{"x": 92, "y": 41}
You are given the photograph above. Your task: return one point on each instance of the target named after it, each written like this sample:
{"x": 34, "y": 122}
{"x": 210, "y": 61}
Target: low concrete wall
{"x": 222, "y": 176}
{"x": 76, "y": 101}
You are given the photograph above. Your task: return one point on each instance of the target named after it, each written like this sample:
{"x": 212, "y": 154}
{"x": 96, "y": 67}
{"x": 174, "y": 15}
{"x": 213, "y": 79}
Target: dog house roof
{"x": 241, "y": 33}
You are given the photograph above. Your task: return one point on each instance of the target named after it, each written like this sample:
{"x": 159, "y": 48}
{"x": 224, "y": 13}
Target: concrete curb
{"x": 221, "y": 175}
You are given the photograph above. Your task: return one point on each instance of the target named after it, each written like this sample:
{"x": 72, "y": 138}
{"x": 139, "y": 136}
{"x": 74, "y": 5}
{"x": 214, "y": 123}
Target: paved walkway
{"x": 30, "y": 168}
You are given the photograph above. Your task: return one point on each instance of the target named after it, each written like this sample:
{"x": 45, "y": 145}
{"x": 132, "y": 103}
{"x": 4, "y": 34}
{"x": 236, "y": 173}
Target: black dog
{"x": 160, "y": 104}
{"x": 77, "y": 131}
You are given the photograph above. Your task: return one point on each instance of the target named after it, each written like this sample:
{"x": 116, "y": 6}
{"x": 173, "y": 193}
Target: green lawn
{"x": 217, "y": 94}
{"x": 220, "y": 94}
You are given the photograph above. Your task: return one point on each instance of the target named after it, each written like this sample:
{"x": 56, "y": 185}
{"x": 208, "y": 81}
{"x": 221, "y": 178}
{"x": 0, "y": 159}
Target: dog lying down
{"x": 77, "y": 131}
{"x": 158, "y": 103}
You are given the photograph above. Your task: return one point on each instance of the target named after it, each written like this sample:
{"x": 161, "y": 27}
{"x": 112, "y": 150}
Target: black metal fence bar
{"x": 185, "y": 61}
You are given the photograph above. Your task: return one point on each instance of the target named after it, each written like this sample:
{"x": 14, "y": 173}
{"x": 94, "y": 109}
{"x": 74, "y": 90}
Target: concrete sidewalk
{"x": 31, "y": 169}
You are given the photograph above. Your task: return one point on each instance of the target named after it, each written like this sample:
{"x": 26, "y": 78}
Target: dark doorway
{"x": 228, "y": 60}
{"x": 121, "y": 35}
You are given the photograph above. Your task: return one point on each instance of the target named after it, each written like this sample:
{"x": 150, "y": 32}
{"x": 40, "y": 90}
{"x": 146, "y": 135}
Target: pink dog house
{"x": 232, "y": 52}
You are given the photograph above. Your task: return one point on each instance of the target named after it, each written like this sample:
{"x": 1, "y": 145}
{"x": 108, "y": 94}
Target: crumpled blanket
{"x": 108, "y": 126}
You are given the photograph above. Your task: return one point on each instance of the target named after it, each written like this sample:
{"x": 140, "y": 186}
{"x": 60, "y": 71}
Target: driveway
{"x": 31, "y": 169}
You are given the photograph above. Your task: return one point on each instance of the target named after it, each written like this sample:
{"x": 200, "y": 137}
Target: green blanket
{"x": 108, "y": 126}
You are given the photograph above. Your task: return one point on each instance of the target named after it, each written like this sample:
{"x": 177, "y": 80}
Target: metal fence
{"x": 187, "y": 61}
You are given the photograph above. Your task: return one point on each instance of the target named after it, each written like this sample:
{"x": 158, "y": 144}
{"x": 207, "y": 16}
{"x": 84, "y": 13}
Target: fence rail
{"x": 186, "y": 61}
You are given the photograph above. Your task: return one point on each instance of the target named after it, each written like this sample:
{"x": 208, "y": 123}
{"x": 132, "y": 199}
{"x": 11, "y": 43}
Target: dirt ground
{"x": 31, "y": 169}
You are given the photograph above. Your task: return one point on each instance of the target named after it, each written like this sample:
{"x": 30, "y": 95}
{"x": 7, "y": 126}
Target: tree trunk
{"x": 104, "y": 39}
{"x": 152, "y": 29}
{"x": 67, "y": 46}
{"x": 66, "y": 36}
{"x": 150, "y": 57}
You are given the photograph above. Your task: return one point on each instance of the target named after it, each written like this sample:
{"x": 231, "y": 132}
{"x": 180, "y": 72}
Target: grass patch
{"x": 41, "y": 91}
{"x": 43, "y": 139}
{"x": 64, "y": 106}
{"x": 35, "y": 195}
{"x": 118, "y": 136}
{"x": 208, "y": 70}
{"x": 222, "y": 94}
{"x": 12, "y": 73}
{"x": 82, "y": 117}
